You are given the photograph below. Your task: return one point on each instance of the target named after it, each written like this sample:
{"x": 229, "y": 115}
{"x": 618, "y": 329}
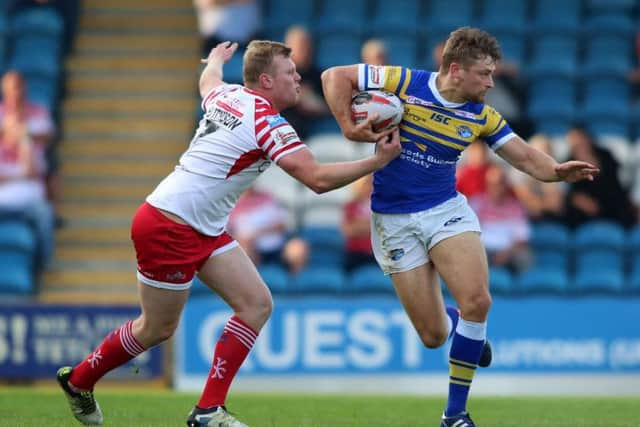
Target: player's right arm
{"x": 323, "y": 177}
{"x": 338, "y": 84}
{"x": 212, "y": 74}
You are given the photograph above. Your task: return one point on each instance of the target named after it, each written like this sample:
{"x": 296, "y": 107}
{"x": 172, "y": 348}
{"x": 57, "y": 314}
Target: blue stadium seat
{"x": 399, "y": 17}
{"x": 501, "y": 281}
{"x": 633, "y": 242}
{"x": 601, "y": 234}
{"x": 401, "y": 49}
{"x": 369, "y": 279}
{"x": 327, "y": 245}
{"x": 610, "y": 6}
{"x": 39, "y": 26}
{"x": 552, "y": 104}
{"x": 17, "y": 272}
{"x": 608, "y": 56}
{"x": 284, "y": 13}
{"x": 42, "y": 90}
{"x": 598, "y": 279}
{"x": 544, "y": 279}
{"x": 552, "y": 16}
{"x": 633, "y": 280}
{"x": 275, "y": 276}
{"x": 553, "y": 55}
{"x": 599, "y": 244}
{"x": 513, "y": 47}
{"x": 336, "y": 16}
{"x": 17, "y": 256}
{"x": 337, "y": 48}
{"x": 503, "y": 16}
{"x": 445, "y": 16}
{"x": 610, "y": 24}
{"x": 551, "y": 245}
{"x": 318, "y": 280}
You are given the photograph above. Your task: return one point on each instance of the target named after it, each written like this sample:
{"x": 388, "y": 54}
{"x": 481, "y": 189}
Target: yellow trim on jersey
{"x": 460, "y": 372}
{"x": 392, "y": 78}
{"x": 407, "y": 79}
{"x": 452, "y": 381}
{"x": 432, "y": 138}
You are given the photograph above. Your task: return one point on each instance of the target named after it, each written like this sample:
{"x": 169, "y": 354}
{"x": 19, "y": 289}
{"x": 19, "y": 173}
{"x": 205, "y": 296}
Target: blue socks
{"x": 466, "y": 349}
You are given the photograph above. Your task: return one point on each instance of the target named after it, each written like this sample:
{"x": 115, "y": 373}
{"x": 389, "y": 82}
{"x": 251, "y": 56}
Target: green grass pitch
{"x": 27, "y": 407}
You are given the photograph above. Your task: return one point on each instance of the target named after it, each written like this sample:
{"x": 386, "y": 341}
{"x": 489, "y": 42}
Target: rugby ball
{"x": 386, "y": 104}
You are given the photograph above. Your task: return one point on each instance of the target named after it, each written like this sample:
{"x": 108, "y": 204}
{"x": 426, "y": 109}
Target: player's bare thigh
{"x": 419, "y": 293}
{"x": 233, "y": 276}
{"x": 161, "y": 309}
{"x": 462, "y": 262}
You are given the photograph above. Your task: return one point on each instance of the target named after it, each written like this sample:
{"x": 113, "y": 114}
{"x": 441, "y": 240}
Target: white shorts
{"x": 401, "y": 242}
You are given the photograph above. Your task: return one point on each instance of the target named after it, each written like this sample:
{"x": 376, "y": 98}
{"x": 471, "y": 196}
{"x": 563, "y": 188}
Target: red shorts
{"x": 169, "y": 253}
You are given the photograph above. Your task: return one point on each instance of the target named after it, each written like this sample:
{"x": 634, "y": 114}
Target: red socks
{"x": 234, "y": 344}
{"x": 118, "y": 348}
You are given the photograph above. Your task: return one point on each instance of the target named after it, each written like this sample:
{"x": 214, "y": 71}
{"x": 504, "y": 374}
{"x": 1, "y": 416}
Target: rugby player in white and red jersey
{"x": 179, "y": 231}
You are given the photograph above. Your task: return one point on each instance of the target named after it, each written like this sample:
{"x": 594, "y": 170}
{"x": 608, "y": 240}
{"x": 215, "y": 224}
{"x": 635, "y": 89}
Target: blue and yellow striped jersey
{"x": 433, "y": 132}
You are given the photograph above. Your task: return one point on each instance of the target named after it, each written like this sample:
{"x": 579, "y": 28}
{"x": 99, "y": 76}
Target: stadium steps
{"x": 128, "y": 114}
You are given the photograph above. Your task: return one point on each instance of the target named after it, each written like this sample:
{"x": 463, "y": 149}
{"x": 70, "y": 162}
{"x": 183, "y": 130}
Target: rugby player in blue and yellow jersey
{"x": 420, "y": 225}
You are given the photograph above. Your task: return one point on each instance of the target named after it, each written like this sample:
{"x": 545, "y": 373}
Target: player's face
{"x": 286, "y": 82}
{"x": 477, "y": 79}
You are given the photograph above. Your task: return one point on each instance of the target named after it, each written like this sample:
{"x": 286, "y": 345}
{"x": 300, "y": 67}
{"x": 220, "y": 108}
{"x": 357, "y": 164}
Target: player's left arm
{"x": 542, "y": 166}
{"x": 212, "y": 74}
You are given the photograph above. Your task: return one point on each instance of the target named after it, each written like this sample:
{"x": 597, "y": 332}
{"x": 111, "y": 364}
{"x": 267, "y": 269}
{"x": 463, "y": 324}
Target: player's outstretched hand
{"x": 221, "y": 52}
{"x": 574, "y": 171}
{"x": 364, "y": 132}
{"x": 388, "y": 147}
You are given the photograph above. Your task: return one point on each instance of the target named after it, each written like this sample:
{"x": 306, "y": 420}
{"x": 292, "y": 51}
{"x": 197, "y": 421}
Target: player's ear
{"x": 266, "y": 81}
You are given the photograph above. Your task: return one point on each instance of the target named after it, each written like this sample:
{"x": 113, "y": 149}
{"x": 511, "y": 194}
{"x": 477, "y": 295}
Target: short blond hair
{"x": 258, "y": 59}
{"x": 467, "y": 45}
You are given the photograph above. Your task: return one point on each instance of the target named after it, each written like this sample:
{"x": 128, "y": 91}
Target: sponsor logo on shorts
{"x": 178, "y": 275}
{"x": 453, "y": 220}
{"x": 396, "y": 254}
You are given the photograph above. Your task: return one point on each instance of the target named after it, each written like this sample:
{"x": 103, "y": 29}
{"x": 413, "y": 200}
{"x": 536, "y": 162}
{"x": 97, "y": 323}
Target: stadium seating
{"x": 553, "y": 55}
{"x": 501, "y": 281}
{"x": 547, "y": 279}
{"x": 17, "y": 256}
{"x": 327, "y": 245}
{"x": 599, "y": 245}
{"x": 338, "y": 48}
{"x": 336, "y": 18}
{"x": 599, "y": 279}
{"x": 619, "y": 6}
{"x": 551, "y": 245}
{"x": 607, "y": 56}
{"x": 369, "y": 279}
{"x": 276, "y": 277}
{"x": 401, "y": 17}
{"x": 503, "y": 17}
{"x": 284, "y": 13}
{"x": 318, "y": 280}
{"x": 440, "y": 19}
{"x": 551, "y": 16}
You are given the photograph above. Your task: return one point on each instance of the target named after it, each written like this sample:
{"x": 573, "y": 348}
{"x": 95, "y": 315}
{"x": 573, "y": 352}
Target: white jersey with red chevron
{"x": 238, "y": 138}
